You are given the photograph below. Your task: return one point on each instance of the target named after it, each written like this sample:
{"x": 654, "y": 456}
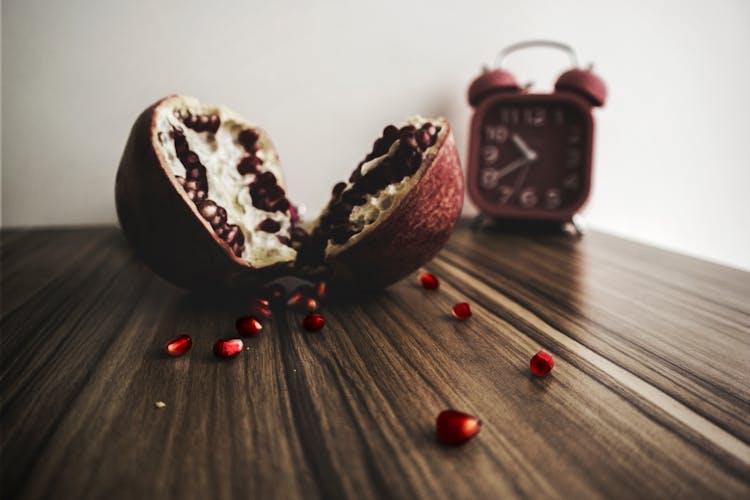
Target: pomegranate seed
{"x": 248, "y": 326}
{"x": 260, "y": 308}
{"x": 461, "y": 311}
{"x": 454, "y": 427}
{"x": 295, "y": 299}
{"x": 429, "y": 281}
{"x": 321, "y": 290}
{"x": 178, "y": 345}
{"x": 276, "y": 292}
{"x": 299, "y": 295}
{"x": 541, "y": 364}
{"x": 313, "y": 322}
{"x": 227, "y": 348}
{"x": 311, "y": 304}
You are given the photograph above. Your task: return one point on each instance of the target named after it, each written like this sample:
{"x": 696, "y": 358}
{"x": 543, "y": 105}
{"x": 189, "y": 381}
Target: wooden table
{"x": 650, "y": 395}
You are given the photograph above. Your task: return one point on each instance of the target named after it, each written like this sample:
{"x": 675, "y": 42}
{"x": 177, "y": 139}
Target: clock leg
{"x": 576, "y": 226}
{"x": 479, "y": 222}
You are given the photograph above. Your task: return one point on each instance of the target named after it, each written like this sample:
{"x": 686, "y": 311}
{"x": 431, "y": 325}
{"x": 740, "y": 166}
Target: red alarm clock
{"x": 530, "y": 154}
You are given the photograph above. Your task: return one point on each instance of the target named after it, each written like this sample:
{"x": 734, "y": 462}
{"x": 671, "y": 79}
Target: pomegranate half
{"x": 201, "y": 197}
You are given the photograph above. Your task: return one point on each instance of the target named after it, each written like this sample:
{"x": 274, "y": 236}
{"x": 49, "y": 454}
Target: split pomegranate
{"x": 248, "y": 326}
{"x": 178, "y": 345}
{"x": 429, "y": 281}
{"x": 228, "y": 348}
{"x": 313, "y": 322}
{"x": 541, "y": 363}
{"x": 461, "y": 311}
{"x": 454, "y": 427}
{"x": 201, "y": 197}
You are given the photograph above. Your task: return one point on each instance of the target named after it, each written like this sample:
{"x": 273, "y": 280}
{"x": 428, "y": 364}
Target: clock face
{"x": 532, "y": 156}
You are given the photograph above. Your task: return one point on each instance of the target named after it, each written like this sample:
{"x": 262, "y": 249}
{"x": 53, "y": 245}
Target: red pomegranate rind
{"x": 414, "y": 232}
{"x": 165, "y": 228}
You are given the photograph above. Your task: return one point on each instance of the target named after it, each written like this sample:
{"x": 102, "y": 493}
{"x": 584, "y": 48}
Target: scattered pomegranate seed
{"x": 461, "y": 311}
{"x": 299, "y": 295}
{"x": 429, "y": 281}
{"x": 311, "y": 304}
{"x": 260, "y": 308}
{"x": 313, "y": 322}
{"x": 276, "y": 292}
{"x": 248, "y": 326}
{"x": 295, "y": 299}
{"x": 320, "y": 290}
{"x": 454, "y": 427}
{"x": 178, "y": 345}
{"x": 541, "y": 364}
{"x": 227, "y": 348}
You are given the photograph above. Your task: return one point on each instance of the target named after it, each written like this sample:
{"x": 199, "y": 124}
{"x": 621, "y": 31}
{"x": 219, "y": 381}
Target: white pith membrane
{"x": 220, "y": 154}
{"x": 381, "y": 204}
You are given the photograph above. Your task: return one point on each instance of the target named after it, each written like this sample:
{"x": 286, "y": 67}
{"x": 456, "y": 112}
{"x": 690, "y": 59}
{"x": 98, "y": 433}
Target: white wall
{"x": 324, "y": 78}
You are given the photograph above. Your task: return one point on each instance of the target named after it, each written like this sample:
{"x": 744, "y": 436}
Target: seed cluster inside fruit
{"x": 195, "y": 184}
{"x": 229, "y": 170}
{"x": 372, "y": 189}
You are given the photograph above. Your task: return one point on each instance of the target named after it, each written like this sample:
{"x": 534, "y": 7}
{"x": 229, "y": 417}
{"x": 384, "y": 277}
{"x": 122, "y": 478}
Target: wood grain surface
{"x": 649, "y": 397}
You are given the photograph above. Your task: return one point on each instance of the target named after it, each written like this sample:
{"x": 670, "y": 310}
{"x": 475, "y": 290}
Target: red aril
{"x": 248, "y": 326}
{"x": 311, "y": 304}
{"x": 227, "y": 348}
{"x": 178, "y": 345}
{"x": 454, "y": 427}
{"x": 542, "y": 363}
{"x": 260, "y": 308}
{"x": 461, "y": 311}
{"x": 313, "y": 322}
{"x": 429, "y": 281}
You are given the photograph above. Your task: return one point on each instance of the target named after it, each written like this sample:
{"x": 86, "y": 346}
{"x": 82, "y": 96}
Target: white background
{"x": 325, "y": 77}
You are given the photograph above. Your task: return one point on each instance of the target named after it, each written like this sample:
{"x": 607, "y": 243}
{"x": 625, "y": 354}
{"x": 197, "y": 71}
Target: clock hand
{"x": 512, "y": 166}
{"x": 519, "y": 180}
{"x": 529, "y": 153}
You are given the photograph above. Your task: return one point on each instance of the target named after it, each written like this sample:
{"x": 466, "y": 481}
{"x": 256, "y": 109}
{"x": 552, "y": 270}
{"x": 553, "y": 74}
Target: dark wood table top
{"x": 650, "y": 395}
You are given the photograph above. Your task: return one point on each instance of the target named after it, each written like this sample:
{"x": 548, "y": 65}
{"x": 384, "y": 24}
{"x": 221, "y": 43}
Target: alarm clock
{"x": 531, "y": 154}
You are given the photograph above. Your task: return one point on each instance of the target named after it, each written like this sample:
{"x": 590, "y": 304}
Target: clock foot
{"x": 576, "y": 226}
{"x": 480, "y": 222}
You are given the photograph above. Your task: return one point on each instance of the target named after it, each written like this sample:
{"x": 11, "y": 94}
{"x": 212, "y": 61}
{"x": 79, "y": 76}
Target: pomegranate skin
{"x": 413, "y": 233}
{"x": 164, "y": 226}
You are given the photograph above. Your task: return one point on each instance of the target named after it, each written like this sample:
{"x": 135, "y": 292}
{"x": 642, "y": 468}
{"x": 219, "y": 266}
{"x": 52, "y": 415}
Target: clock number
{"x": 489, "y": 177}
{"x": 509, "y": 116}
{"x": 571, "y": 181}
{"x": 552, "y": 198}
{"x": 573, "y": 158}
{"x": 498, "y": 134}
{"x": 505, "y": 193}
{"x": 528, "y": 198}
{"x": 559, "y": 117}
{"x": 575, "y": 135}
{"x": 535, "y": 117}
{"x": 489, "y": 154}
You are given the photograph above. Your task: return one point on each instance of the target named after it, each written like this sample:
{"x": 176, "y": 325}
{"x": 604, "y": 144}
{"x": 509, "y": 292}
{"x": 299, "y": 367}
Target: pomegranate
{"x": 201, "y": 197}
